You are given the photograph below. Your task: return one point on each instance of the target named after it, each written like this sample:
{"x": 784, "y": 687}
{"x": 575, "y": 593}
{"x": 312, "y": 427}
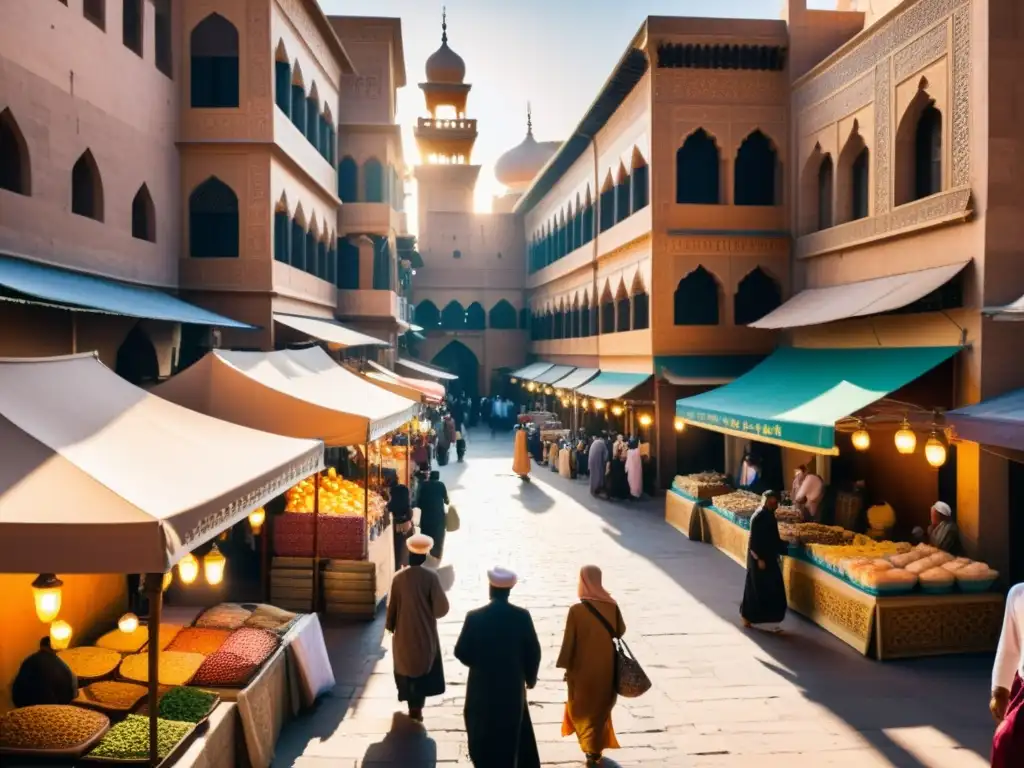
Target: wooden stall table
{"x": 215, "y": 746}
{"x": 683, "y": 513}
{"x": 724, "y": 534}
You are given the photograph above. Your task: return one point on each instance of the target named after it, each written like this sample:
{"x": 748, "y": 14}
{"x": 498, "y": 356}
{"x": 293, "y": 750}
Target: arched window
{"x": 696, "y": 299}
{"x": 928, "y": 153}
{"x": 622, "y": 187}
{"x": 825, "y": 177}
{"x": 131, "y": 25}
{"x": 639, "y": 180}
{"x": 332, "y": 261}
{"x": 348, "y": 274}
{"x": 697, "y": 170}
{"x": 313, "y": 116}
{"x": 756, "y": 166}
{"x": 311, "y": 237}
{"x": 373, "y": 181}
{"x": 502, "y": 316}
{"x": 87, "y": 188}
{"x": 15, "y": 168}
{"x": 214, "y": 52}
{"x": 298, "y": 238}
{"x": 549, "y": 325}
{"x": 282, "y": 234}
{"x": 453, "y": 317}
{"x": 282, "y": 80}
{"x": 623, "y": 312}
{"x": 756, "y": 296}
{"x": 860, "y": 181}
{"x": 382, "y": 263}
{"x": 585, "y": 320}
{"x": 213, "y": 221}
{"x": 348, "y": 180}
{"x": 587, "y": 230}
{"x": 641, "y": 311}
{"x": 321, "y": 260}
{"x": 607, "y": 313}
{"x": 476, "y": 318}
{"x": 298, "y": 110}
{"x": 143, "y": 216}
{"x": 559, "y": 319}
{"x": 427, "y": 315}
{"x": 607, "y": 204}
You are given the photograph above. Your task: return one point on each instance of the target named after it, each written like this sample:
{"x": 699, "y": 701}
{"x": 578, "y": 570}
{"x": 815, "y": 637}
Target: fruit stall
{"x": 887, "y": 599}
{"x": 124, "y": 482}
{"x": 332, "y": 543}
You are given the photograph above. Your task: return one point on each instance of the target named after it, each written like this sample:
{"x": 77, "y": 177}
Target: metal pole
{"x": 316, "y": 542}
{"x": 366, "y": 496}
{"x": 155, "y": 594}
{"x": 408, "y": 453}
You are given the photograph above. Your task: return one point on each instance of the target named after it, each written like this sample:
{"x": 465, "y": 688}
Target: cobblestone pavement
{"x": 722, "y": 696}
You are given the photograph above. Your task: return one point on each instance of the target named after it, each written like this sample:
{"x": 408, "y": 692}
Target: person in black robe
{"x": 400, "y": 509}
{"x": 44, "y": 678}
{"x": 764, "y": 592}
{"x": 432, "y": 500}
{"x": 499, "y": 645}
{"x": 618, "y": 483}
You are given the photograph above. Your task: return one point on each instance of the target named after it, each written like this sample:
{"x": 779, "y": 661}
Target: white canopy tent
{"x": 99, "y": 476}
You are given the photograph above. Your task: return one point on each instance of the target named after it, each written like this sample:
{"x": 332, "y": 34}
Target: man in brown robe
{"x": 415, "y": 604}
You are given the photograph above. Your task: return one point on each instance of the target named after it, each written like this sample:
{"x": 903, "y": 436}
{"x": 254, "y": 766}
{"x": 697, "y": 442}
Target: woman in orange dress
{"x": 588, "y": 658}
{"x": 521, "y": 455}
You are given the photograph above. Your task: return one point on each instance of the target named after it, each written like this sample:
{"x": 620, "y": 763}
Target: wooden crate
{"x": 291, "y": 583}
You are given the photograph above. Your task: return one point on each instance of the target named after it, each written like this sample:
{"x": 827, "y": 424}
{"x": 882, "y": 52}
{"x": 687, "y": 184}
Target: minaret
{"x": 445, "y": 178}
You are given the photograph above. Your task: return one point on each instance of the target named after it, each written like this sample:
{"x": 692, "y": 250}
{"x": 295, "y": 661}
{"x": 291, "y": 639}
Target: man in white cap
{"x": 415, "y": 604}
{"x": 943, "y": 533}
{"x": 499, "y": 645}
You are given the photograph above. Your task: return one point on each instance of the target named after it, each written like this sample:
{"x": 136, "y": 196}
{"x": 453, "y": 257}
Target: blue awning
{"x": 611, "y": 385}
{"x": 78, "y": 291}
{"x": 695, "y": 370}
{"x": 998, "y": 422}
{"x": 531, "y": 371}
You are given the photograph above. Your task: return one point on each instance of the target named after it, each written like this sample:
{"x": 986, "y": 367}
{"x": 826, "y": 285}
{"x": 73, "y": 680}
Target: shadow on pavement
{"x": 406, "y": 745}
{"x": 945, "y": 693}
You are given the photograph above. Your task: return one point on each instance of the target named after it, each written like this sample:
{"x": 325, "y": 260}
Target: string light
{"x": 860, "y": 438}
{"x": 680, "y": 425}
{"x": 188, "y": 569}
{"x": 645, "y": 420}
{"x": 935, "y": 451}
{"x": 616, "y": 410}
{"x": 213, "y": 566}
{"x": 905, "y": 439}
{"x": 256, "y": 519}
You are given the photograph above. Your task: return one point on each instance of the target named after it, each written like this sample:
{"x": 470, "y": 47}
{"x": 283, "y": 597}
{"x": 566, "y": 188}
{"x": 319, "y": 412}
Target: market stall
{"x": 338, "y": 515}
{"x": 101, "y": 477}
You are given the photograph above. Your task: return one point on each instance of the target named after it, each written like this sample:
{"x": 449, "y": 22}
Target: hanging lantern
{"x": 213, "y": 566}
{"x": 256, "y": 519}
{"x": 60, "y": 635}
{"x": 188, "y": 569}
{"x": 514, "y": 380}
{"x": 128, "y": 623}
{"x": 645, "y": 420}
{"x": 860, "y": 438}
{"x": 905, "y": 439}
{"x": 565, "y": 402}
{"x": 599, "y": 405}
{"x": 616, "y": 410}
{"x": 531, "y": 387}
{"x": 168, "y": 578}
{"x": 583, "y": 403}
{"x": 47, "y": 595}
{"x": 680, "y": 425}
{"x": 935, "y": 451}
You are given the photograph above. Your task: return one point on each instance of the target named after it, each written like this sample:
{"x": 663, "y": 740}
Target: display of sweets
{"x": 702, "y": 485}
{"x": 969, "y": 574}
{"x": 742, "y": 503}
{"x": 110, "y": 695}
{"x": 861, "y": 548}
{"x": 337, "y": 496}
{"x": 814, "y": 533}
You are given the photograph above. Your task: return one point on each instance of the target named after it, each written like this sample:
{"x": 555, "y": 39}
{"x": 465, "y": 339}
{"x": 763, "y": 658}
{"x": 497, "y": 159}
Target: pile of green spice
{"x": 129, "y": 739}
{"x": 187, "y": 705}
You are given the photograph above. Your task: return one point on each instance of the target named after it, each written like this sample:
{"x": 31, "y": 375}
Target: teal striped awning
{"x": 704, "y": 369}
{"x": 796, "y": 396}
{"x": 531, "y": 371}
{"x": 612, "y": 385}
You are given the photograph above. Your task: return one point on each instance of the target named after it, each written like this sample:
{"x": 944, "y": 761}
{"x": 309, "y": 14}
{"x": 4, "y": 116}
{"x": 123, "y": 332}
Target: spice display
{"x": 129, "y": 739}
{"x": 702, "y": 485}
{"x": 270, "y": 617}
{"x": 187, "y": 705}
{"x": 202, "y": 640}
{"x": 814, "y": 533}
{"x": 50, "y": 727}
{"x": 89, "y": 662}
{"x": 223, "y": 616}
{"x": 135, "y": 641}
{"x": 176, "y": 667}
{"x": 224, "y": 670}
{"x": 111, "y": 695}
{"x": 254, "y": 645}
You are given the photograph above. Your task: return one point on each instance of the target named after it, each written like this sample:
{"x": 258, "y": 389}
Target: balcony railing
{"x": 457, "y": 124}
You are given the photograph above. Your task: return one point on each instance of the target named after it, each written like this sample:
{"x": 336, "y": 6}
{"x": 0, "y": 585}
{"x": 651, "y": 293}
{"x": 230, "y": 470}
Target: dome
{"x": 519, "y": 166}
{"x": 444, "y": 64}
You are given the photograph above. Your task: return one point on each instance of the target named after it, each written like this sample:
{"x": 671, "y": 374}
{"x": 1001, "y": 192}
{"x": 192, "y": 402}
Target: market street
{"x": 722, "y": 696}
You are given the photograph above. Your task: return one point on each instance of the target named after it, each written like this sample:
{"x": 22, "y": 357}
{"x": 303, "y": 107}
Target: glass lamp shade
{"x": 905, "y": 439}
{"x": 680, "y": 425}
{"x": 188, "y": 569}
{"x": 60, "y": 635}
{"x": 213, "y": 566}
{"x": 935, "y": 451}
{"x": 645, "y": 420}
{"x": 861, "y": 440}
{"x": 256, "y": 519}
{"x": 128, "y": 623}
{"x": 46, "y": 593}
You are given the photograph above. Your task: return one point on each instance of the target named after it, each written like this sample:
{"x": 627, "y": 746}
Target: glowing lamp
{"x": 188, "y": 569}
{"x": 565, "y": 402}
{"x": 583, "y": 403}
{"x": 424, "y": 427}
{"x": 531, "y": 387}
{"x": 256, "y": 519}
{"x": 680, "y": 425}
{"x": 213, "y": 566}
{"x": 548, "y": 390}
{"x": 616, "y": 410}
{"x": 46, "y": 594}
{"x": 599, "y": 405}
{"x": 514, "y": 380}
{"x": 60, "y": 635}
{"x": 935, "y": 451}
{"x": 168, "y": 578}
{"x": 645, "y": 420}
{"x": 905, "y": 439}
{"x": 128, "y": 623}
{"x": 861, "y": 439}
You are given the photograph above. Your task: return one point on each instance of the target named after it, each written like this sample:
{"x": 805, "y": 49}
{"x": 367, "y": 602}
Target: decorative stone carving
{"x": 920, "y": 53}
{"x": 727, "y": 245}
{"x": 960, "y": 134}
{"x": 361, "y": 87}
{"x": 883, "y": 143}
{"x": 838, "y": 105}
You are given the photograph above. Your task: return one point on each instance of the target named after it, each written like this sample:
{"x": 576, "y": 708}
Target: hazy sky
{"x": 555, "y": 54}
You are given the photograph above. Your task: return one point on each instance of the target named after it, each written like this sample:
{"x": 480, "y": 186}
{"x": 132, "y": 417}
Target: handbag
{"x": 452, "y": 523}
{"x": 630, "y": 679}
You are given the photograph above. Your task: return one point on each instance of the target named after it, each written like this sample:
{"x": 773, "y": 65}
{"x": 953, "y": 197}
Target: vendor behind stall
{"x": 44, "y": 679}
{"x": 942, "y": 533}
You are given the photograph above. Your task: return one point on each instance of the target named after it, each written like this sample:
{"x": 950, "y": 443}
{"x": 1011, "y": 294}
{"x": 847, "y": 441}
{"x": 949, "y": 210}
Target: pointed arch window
{"x": 382, "y": 261}
{"x": 87, "y": 188}
{"x": 502, "y": 316}
{"x": 588, "y": 221}
{"x": 622, "y": 195}
{"x": 559, "y": 330}
{"x": 331, "y": 274}
{"x": 826, "y": 174}
{"x": 641, "y": 311}
{"x": 143, "y": 216}
{"x": 696, "y": 299}
{"x": 348, "y": 180}
{"x": 313, "y": 117}
{"x": 213, "y": 221}
{"x": 283, "y": 82}
{"x": 427, "y": 315}
{"x": 608, "y": 314}
{"x": 348, "y": 272}
{"x": 623, "y": 314}
{"x": 453, "y": 317}
{"x": 162, "y": 36}
{"x": 697, "y": 170}
{"x": 755, "y": 172}
{"x": 640, "y": 181}
{"x": 373, "y": 181}
{"x": 15, "y": 165}
{"x": 607, "y": 205}
{"x": 860, "y": 174}
{"x": 214, "y": 57}
{"x": 298, "y": 249}
{"x": 756, "y": 295}
{"x": 131, "y": 25}
{"x": 585, "y": 321}
{"x": 928, "y": 153}
{"x": 321, "y": 260}
{"x": 476, "y": 318}
{"x": 310, "y": 250}
{"x": 281, "y": 235}
{"x": 298, "y": 103}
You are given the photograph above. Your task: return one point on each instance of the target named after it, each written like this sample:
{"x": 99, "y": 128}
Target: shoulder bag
{"x": 452, "y": 523}
{"x": 630, "y": 679}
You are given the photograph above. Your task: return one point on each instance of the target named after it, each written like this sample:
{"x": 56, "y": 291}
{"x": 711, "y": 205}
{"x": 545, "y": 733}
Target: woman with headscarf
{"x": 597, "y": 460}
{"x": 400, "y": 509}
{"x": 617, "y": 474}
{"x": 588, "y": 658}
{"x": 520, "y": 455}
{"x": 432, "y": 500}
{"x": 635, "y": 469}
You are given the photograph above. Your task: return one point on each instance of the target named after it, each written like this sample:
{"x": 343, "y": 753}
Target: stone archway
{"x": 460, "y": 360}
